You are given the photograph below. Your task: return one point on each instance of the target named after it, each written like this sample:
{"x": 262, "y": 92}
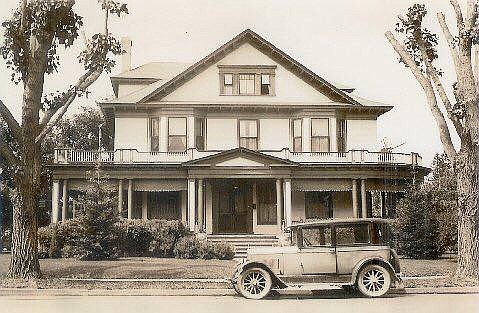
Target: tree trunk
{"x": 468, "y": 223}
{"x": 24, "y": 262}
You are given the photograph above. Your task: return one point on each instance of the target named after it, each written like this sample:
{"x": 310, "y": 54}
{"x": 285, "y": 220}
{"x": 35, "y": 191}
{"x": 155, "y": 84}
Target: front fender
{"x": 240, "y": 268}
{"x": 374, "y": 260}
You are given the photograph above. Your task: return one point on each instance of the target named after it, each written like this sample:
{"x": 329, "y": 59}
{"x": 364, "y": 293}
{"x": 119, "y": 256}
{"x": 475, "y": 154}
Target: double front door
{"x": 233, "y": 206}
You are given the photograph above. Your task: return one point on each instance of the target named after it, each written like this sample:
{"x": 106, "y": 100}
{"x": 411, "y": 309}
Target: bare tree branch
{"x": 449, "y": 39}
{"x": 459, "y": 18}
{"x": 11, "y": 121}
{"x": 426, "y": 85}
{"x": 8, "y": 155}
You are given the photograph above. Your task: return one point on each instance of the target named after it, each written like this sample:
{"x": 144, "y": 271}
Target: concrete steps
{"x": 242, "y": 242}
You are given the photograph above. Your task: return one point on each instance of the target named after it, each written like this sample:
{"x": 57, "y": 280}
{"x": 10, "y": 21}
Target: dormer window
{"x": 241, "y": 80}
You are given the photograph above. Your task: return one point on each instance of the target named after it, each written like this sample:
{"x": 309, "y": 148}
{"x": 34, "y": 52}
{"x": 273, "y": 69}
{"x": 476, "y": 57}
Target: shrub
{"x": 96, "y": 237}
{"x": 6, "y": 238}
{"x": 166, "y": 235}
{"x": 52, "y": 238}
{"x": 134, "y": 237}
{"x": 192, "y": 248}
{"x": 188, "y": 248}
{"x": 417, "y": 227}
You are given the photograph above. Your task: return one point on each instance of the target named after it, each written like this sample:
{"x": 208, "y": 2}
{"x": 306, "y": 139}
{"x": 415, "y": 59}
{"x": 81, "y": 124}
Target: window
{"x": 320, "y": 135}
{"x": 200, "y": 133}
{"x": 228, "y": 84}
{"x": 352, "y": 234}
{"x": 297, "y": 135}
{"x": 246, "y": 84}
{"x": 164, "y": 205}
{"x": 265, "y": 84}
{"x": 177, "y": 134}
{"x": 342, "y": 135}
{"x": 318, "y": 205}
{"x": 248, "y": 134}
{"x": 154, "y": 134}
{"x": 316, "y": 237}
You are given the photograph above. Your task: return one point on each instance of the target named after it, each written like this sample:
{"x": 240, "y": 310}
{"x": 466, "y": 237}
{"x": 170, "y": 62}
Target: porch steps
{"x": 242, "y": 242}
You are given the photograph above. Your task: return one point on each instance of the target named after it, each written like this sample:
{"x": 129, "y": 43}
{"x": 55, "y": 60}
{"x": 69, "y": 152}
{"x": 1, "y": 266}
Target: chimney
{"x": 126, "y": 44}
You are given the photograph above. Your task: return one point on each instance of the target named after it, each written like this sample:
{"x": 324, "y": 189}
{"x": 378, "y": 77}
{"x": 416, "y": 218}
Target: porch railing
{"x": 129, "y": 156}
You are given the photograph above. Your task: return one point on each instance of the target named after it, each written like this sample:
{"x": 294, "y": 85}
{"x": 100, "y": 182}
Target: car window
{"x": 380, "y": 233}
{"x": 352, "y": 234}
{"x": 316, "y": 236}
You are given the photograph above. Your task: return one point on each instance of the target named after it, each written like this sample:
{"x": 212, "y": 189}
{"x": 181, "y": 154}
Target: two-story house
{"x": 245, "y": 141}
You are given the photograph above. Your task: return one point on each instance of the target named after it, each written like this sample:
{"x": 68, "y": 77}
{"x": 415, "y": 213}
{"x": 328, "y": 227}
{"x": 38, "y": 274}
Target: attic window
{"x": 247, "y": 79}
{"x": 228, "y": 84}
{"x": 265, "y": 84}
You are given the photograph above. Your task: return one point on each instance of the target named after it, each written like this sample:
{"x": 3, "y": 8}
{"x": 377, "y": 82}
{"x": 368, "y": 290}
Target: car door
{"x": 317, "y": 254}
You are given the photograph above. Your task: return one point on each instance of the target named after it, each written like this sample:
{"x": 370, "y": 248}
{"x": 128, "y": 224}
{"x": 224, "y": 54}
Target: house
{"x": 245, "y": 141}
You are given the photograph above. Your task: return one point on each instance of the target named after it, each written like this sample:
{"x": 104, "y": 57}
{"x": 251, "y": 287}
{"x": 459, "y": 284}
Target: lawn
{"x": 156, "y": 268}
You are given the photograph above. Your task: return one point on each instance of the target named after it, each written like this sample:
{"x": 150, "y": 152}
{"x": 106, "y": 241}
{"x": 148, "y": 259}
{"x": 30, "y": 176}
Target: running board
{"x": 311, "y": 287}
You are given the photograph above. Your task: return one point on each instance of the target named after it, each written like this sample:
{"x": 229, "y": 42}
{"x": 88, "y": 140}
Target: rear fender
{"x": 374, "y": 260}
{"x": 277, "y": 282}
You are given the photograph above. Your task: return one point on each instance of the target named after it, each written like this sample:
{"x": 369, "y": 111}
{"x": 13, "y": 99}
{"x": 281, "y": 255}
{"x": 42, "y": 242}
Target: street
{"x": 327, "y": 303}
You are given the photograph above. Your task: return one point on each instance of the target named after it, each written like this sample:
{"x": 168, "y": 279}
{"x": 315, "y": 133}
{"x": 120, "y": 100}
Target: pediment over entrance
{"x": 240, "y": 158}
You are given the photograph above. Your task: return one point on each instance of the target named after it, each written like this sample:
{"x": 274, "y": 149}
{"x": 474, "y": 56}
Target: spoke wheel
{"x": 373, "y": 280}
{"x": 254, "y": 283}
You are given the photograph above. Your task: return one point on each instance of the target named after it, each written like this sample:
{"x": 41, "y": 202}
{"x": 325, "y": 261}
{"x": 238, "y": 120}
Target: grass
{"x": 55, "y": 269}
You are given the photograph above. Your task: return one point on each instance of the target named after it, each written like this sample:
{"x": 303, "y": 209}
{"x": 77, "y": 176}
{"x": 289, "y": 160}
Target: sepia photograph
{"x": 239, "y": 156}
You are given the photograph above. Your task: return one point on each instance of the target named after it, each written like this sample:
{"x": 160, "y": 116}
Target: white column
{"x": 287, "y": 202}
{"x": 144, "y": 207}
{"x": 64, "y": 200}
{"x": 55, "y": 200}
{"x": 191, "y": 204}
{"x": 354, "y": 191}
{"x": 364, "y": 209}
{"x": 200, "y": 206}
{"x": 130, "y": 198}
{"x": 306, "y": 134}
{"x": 333, "y": 135}
{"x": 279, "y": 203}
{"x": 184, "y": 207}
{"x": 163, "y": 144}
{"x": 209, "y": 208}
{"x": 190, "y": 128}
{"x": 120, "y": 196}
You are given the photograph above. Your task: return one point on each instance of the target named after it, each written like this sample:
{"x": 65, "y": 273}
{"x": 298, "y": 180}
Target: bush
{"x": 53, "y": 238}
{"x": 417, "y": 228}
{"x": 217, "y": 250}
{"x": 165, "y": 237}
{"x": 188, "y": 248}
{"x": 192, "y": 248}
{"x": 6, "y": 238}
{"x": 134, "y": 237}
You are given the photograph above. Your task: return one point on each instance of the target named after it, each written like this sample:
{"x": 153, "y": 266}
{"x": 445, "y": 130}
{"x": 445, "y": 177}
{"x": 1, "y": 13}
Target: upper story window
{"x": 200, "y": 133}
{"x": 342, "y": 135}
{"x": 246, "y": 84}
{"x": 320, "y": 135}
{"x": 248, "y": 134}
{"x": 177, "y": 134}
{"x": 247, "y": 79}
{"x": 154, "y": 134}
{"x": 297, "y": 135}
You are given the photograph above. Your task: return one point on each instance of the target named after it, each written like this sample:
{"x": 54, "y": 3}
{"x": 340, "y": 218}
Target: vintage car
{"x": 349, "y": 253}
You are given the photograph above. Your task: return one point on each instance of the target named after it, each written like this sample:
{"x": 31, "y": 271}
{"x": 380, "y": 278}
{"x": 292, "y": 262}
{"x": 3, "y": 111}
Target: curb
{"x": 194, "y": 292}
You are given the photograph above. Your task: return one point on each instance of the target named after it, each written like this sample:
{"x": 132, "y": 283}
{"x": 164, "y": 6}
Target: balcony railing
{"x": 131, "y": 156}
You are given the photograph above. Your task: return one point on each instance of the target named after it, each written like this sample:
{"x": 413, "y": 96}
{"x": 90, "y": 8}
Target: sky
{"x": 340, "y": 40}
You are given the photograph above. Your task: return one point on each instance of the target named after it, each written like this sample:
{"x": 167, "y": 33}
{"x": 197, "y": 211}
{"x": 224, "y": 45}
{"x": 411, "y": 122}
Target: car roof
{"x": 332, "y": 221}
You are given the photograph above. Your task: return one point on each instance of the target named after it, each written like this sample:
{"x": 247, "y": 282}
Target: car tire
{"x": 373, "y": 281}
{"x": 254, "y": 283}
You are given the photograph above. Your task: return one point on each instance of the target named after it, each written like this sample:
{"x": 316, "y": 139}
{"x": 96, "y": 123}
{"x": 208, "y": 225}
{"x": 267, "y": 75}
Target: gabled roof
{"x": 239, "y": 152}
{"x": 268, "y": 48}
{"x": 154, "y": 70}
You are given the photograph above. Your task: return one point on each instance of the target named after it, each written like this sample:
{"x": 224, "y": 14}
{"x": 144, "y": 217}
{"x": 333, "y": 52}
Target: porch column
{"x": 287, "y": 202}
{"x": 279, "y": 203}
{"x": 364, "y": 209}
{"x": 144, "y": 208}
{"x": 200, "y": 206}
{"x": 383, "y": 204}
{"x": 130, "y": 199}
{"x": 64, "y": 200}
{"x": 120, "y": 196}
{"x": 209, "y": 208}
{"x": 191, "y": 204}
{"x": 163, "y": 144}
{"x": 354, "y": 191}
{"x": 184, "y": 207}
{"x": 190, "y": 128}
{"x": 55, "y": 199}
{"x": 306, "y": 142}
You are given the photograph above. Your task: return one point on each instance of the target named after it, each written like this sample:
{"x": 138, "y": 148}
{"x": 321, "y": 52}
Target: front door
{"x": 232, "y": 202}
{"x": 317, "y": 253}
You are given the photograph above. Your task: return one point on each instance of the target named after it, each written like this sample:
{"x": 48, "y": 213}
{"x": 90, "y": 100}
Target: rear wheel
{"x": 373, "y": 280}
{"x": 254, "y": 283}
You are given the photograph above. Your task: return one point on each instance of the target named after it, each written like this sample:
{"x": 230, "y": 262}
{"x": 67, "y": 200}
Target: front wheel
{"x": 373, "y": 280}
{"x": 254, "y": 283}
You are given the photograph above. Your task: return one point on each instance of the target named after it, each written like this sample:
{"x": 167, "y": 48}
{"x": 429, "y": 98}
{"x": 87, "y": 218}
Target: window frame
{"x": 335, "y": 240}
{"x": 225, "y": 84}
{"x": 295, "y": 137}
{"x": 257, "y": 132}
{"x": 300, "y": 237}
{"x": 261, "y": 84}
{"x": 256, "y": 70}
{"x": 185, "y": 136}
{"x": 311, "y": 134}
{"x": 203, "y": 131}
{"x": 151, "y": 119}
{"x": 247, "y": 80}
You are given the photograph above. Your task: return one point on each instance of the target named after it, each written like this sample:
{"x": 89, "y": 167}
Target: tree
{"x": 33, "y": 34}
{"x": 418, "y": 52}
